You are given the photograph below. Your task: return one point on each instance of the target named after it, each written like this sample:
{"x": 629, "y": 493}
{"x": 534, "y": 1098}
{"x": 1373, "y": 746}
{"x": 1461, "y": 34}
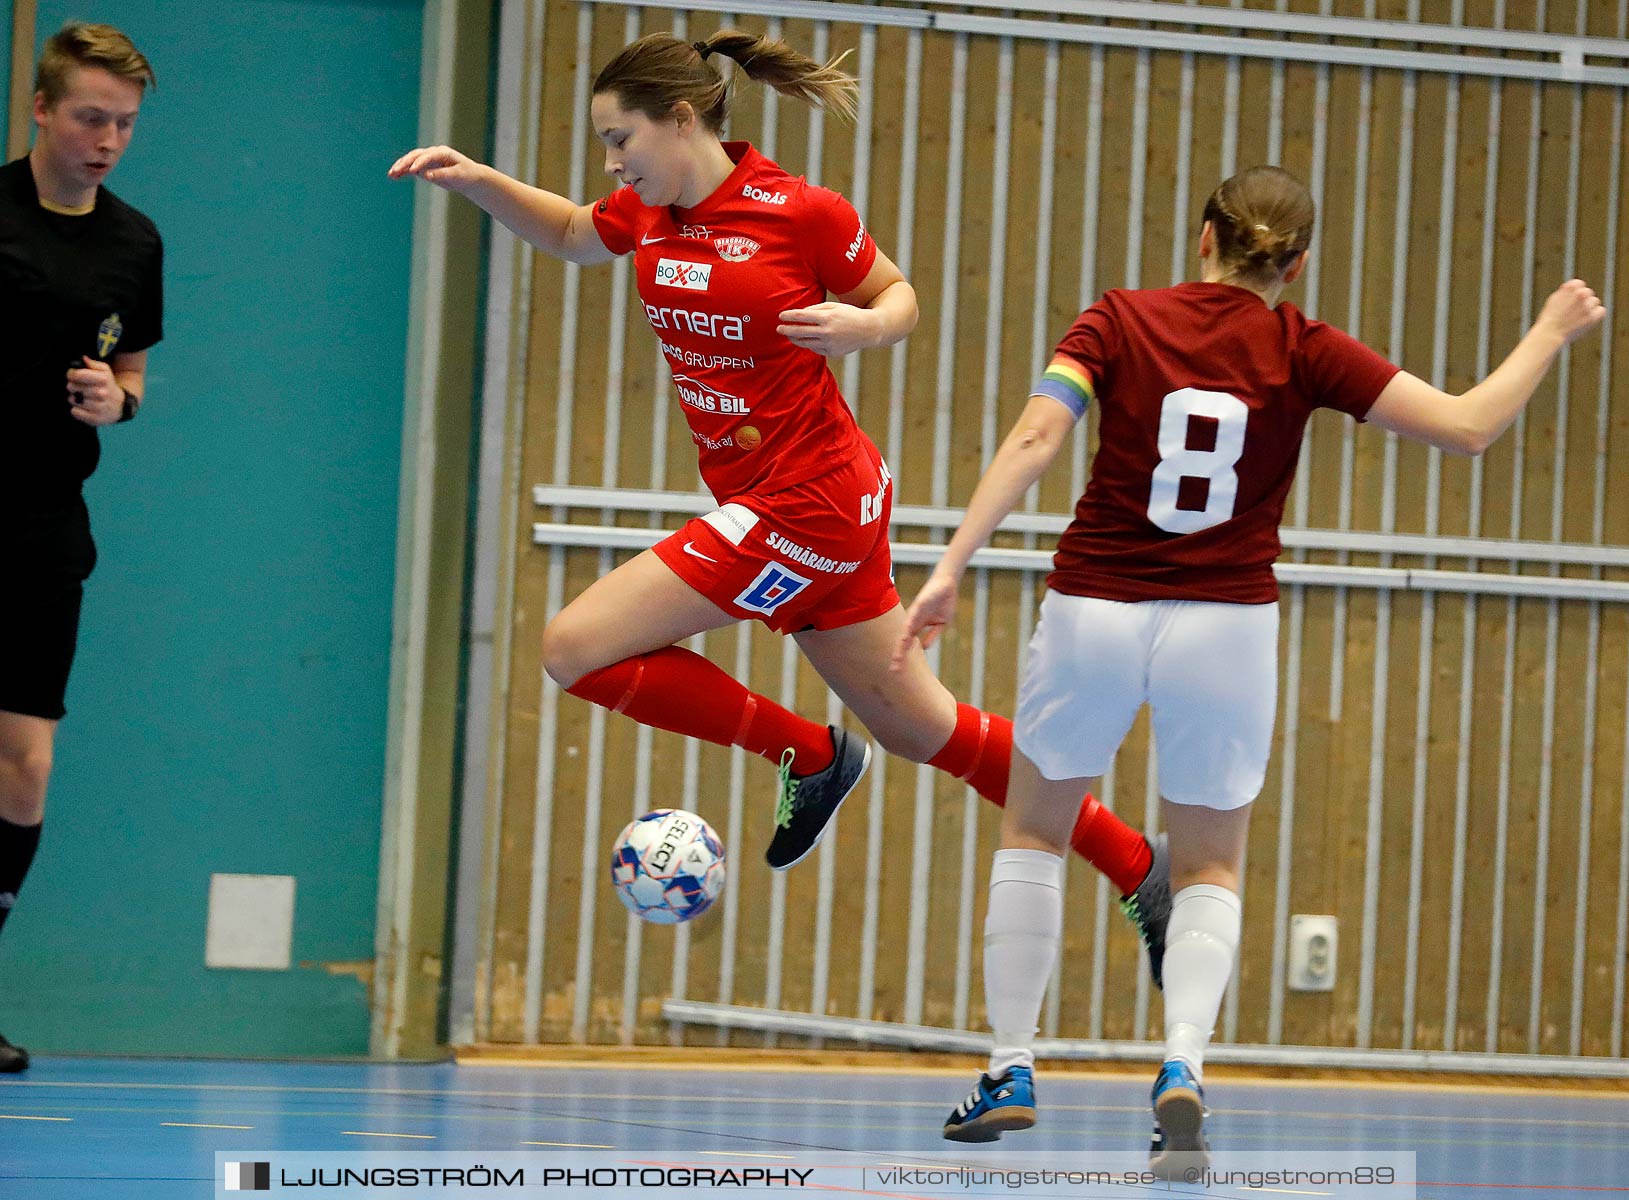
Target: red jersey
{"x": 1203, "y": 392}
{"x": 765, "y": 414}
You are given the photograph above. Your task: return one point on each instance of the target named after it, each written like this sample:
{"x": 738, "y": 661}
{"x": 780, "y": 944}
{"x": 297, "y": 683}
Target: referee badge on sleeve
{"x": 108, "y": 335}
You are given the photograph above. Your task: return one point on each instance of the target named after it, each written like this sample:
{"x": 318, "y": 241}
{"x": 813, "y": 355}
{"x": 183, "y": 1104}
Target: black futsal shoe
{"x": 12, "y": 1058}
{"x": 808, "y": 804}
{"x": 1149, "y": 907}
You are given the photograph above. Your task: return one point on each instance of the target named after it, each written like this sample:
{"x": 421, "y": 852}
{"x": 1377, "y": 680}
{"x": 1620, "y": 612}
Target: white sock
{"x": 1022, "y": 928}
{"x": 1200, "y": 942}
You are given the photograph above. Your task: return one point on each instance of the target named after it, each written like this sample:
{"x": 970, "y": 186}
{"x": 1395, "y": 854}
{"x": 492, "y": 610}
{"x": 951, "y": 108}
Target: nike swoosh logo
{"x": 645, "y": 241}
{"x": 690, "y": 548}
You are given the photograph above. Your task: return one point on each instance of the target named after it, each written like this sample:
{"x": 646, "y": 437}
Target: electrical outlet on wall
{"x": 1313, "y": 941}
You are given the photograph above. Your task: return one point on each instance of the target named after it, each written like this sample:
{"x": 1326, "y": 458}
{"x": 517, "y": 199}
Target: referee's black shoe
{"x": 12, "y": 1058}
{"x": 808, "y": 804}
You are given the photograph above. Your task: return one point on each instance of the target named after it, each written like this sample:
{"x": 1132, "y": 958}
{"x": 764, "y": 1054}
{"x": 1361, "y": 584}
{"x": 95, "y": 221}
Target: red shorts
{"x": 813, "y": 556}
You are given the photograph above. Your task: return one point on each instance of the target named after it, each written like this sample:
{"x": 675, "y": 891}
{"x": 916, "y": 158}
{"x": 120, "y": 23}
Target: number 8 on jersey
{"x": 1178, "y": 461}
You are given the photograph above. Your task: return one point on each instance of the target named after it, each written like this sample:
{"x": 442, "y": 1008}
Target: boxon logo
{"x": 248, "y": 1176}
{"x": 673, "y": 272}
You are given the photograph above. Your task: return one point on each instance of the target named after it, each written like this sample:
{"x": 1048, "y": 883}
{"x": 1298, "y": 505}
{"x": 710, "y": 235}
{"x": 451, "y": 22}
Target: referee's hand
{"x": 94, "y": 395}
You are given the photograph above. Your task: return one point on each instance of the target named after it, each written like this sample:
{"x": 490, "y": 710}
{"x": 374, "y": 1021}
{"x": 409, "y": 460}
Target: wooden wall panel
{"x": 1510, "y": 493}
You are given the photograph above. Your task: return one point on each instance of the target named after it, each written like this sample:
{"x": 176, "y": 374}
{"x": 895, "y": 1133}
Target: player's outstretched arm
{"x": 552, "y": 223}
{"x": 1470, "y": 423}
{"x": 1022, "y": 458}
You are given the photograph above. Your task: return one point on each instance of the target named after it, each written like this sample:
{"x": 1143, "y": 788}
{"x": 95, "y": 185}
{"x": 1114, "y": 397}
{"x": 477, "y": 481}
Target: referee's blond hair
{"x": 81, "y": 44}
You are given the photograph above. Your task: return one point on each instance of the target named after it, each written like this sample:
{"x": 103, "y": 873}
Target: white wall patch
{"x": 251, "y": 922}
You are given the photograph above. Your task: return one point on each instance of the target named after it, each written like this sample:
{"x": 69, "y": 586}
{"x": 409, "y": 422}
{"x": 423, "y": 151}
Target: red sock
{"x": 1112, "y": 846}
{"x": 680, "y": 691}
{"x": 980, "y": 752}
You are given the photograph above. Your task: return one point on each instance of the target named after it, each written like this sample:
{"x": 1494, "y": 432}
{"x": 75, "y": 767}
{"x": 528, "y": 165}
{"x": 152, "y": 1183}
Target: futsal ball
{"x": 668, "y": 866}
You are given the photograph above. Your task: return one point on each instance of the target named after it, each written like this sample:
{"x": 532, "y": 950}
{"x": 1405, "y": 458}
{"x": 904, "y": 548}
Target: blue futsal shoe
{"x": 994, "y": 1106}
{"x": 1179, "y": 1147}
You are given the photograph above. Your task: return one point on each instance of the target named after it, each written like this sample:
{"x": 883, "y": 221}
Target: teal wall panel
{"x": 5, "y": 63}
{"x": 227, "y": 710}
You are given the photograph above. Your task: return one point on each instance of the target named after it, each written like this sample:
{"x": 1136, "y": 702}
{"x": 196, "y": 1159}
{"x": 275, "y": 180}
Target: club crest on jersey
{"x": 108, "y": 335}
{"x": 736, "y": 249}
{"x": 694, "y": 277}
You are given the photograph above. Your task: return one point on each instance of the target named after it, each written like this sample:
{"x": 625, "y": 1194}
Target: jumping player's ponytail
{"x": 658, "y": 71}
{"x": 1262, "y": 219}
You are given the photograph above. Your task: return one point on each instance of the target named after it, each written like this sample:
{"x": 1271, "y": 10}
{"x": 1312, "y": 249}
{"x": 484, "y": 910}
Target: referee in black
{"x": 81, "y": 301}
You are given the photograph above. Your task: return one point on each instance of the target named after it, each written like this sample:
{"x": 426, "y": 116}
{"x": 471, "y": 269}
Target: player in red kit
{"x": 734, "y": 260}
{"x": 1163, "y": 592}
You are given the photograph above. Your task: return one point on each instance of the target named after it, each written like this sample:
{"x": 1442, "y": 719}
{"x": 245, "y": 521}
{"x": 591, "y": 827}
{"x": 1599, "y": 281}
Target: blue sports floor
{"x": 107, "y": 1129}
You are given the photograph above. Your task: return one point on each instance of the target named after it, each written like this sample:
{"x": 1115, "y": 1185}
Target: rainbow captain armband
{"x": 1068, "y": 385}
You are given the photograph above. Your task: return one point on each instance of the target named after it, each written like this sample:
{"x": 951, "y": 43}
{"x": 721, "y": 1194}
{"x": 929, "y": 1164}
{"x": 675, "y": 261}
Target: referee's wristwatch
{"x": 131, "y": 403}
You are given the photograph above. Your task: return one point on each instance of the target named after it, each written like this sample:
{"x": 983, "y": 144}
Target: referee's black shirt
{"x": 69, "y": 285}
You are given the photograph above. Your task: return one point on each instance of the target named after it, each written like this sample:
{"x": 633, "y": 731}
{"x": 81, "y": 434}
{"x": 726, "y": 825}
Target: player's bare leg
{"x": 909, "y": 712}
{"x": 639, "y": 607}
{"x": 914, "y": 716}
{"x": 615, "y": 645}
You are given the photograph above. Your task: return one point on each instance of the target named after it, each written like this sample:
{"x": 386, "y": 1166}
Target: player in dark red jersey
{"x": 1163, "y": 592}
{"x": 734, "y": 260}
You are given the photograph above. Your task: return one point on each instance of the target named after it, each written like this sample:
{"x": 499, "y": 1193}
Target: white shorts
{"x": 1209, "y": 671}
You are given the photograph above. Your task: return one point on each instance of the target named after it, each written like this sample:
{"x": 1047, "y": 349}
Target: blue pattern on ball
{"x": 668, "y": 866}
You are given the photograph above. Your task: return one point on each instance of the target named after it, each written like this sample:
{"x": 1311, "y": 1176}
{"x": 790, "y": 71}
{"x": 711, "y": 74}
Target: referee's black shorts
{"x": 46, "y": 554}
